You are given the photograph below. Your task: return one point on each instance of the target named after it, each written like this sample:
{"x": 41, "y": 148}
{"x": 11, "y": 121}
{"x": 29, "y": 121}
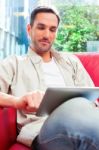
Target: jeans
{"x": 74, "y": 125}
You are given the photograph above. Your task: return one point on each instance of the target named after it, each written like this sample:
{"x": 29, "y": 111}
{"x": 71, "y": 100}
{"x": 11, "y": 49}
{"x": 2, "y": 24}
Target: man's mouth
{"x": 45, "y": 42}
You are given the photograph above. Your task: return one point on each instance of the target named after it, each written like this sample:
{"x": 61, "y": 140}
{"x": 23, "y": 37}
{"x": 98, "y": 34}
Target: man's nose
{"x": 47, "y": 33}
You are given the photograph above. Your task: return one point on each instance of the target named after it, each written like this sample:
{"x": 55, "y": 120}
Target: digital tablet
{"x": 56, "y": 96}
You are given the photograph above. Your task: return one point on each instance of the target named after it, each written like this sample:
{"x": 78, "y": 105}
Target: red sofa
{"x": 8, "y": 115}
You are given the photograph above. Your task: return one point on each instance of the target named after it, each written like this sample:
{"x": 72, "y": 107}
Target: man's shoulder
{"x": 70, "y": 57}
{"x": 13, "y": 60}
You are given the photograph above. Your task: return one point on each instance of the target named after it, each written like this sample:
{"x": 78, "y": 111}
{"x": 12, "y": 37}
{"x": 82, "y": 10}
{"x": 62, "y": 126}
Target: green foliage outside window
{"x": 78, "y": 25}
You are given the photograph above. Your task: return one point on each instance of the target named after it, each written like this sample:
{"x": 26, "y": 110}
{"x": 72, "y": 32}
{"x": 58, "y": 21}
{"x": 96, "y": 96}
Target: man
{"x": 44, "y": 67}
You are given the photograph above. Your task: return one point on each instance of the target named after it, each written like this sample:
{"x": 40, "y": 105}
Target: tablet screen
{"x": 56, "y": 96}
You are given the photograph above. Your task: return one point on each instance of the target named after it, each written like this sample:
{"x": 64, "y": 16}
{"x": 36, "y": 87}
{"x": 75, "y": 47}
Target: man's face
{"x": 43, "y": 32}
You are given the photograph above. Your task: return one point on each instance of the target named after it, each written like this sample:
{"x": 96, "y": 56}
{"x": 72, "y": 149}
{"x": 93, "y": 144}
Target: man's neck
{"x": 46, "y": 56}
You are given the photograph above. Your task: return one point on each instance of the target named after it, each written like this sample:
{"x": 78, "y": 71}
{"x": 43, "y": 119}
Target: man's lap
{"x": 76, "y": 118}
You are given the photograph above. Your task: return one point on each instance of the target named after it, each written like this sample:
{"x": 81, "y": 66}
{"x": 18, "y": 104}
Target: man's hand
{"x": 29, "y": 102}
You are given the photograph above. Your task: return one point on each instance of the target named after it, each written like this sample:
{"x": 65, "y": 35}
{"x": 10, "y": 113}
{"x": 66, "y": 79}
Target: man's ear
{"x": 29, "y": 29}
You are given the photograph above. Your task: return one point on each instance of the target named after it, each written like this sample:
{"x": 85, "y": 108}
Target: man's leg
{"x": 74, "y": 125}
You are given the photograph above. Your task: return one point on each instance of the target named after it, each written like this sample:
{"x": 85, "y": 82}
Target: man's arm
{"x": 29, "y": 102}
{"x": 7, "y": 100}
{"x": 82, "y": 78}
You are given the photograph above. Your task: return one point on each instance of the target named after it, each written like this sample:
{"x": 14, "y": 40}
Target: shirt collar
{"x": 37, "y": 59}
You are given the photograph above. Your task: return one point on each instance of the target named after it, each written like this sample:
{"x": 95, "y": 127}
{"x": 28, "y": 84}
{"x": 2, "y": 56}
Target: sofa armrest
{"x": 7, "y": 127}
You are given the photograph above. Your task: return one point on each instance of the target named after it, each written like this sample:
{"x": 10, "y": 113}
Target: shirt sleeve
{"x": 81, "y": 76}
{"x": 6, "y": 73}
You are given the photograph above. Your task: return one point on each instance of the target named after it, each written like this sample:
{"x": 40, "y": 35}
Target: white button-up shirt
{"x": 22, "y": 74}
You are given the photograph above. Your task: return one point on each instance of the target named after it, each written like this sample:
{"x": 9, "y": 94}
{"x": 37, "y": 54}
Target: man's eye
{"x": 53, "y": 29}
{"x": 41, "y": 28}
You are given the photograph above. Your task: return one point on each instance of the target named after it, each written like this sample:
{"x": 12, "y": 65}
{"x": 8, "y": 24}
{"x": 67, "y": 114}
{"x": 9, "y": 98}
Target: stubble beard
{"x": 41, "y": 49}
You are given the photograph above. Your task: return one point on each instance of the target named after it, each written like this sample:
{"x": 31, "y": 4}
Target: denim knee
{"x": 66, "y": 142}
{"x": 72, "y": 119}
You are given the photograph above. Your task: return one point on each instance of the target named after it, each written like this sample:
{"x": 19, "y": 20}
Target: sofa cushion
{"x": 18, "y": 146}
{"x": 7, "y": 127}
{"x": 91, "y": 64}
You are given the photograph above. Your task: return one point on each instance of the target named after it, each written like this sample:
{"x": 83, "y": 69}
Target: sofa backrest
{"x": 91, "y": 63}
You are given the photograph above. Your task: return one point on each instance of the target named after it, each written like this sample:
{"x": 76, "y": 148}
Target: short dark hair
{"x": 41, "y": 9}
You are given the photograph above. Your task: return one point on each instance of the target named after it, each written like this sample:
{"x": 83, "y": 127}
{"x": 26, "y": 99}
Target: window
{"x": 78, "y": 30}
